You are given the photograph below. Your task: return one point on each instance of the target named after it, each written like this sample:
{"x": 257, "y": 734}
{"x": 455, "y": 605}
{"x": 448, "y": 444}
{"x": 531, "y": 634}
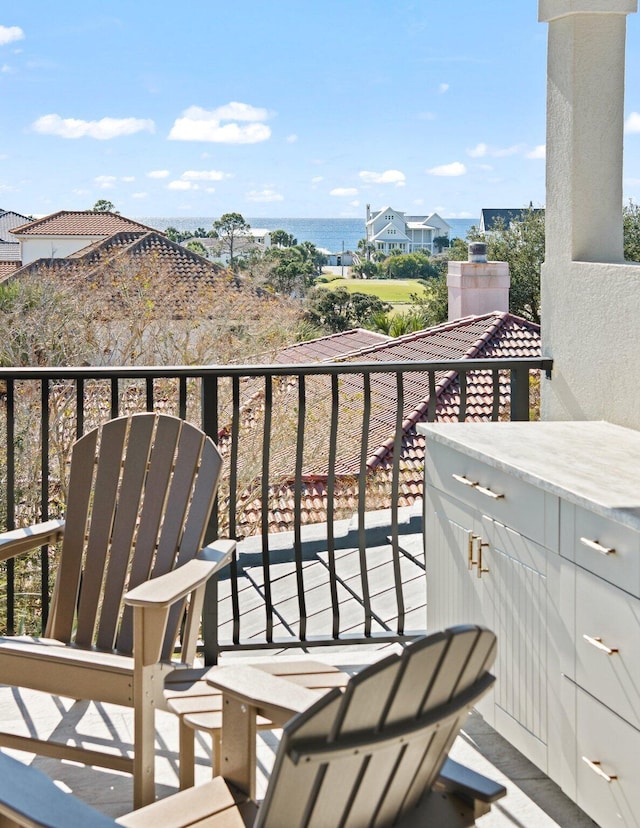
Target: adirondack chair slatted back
{"x": 367, "y": 756}
{"x": 141, "y": 490}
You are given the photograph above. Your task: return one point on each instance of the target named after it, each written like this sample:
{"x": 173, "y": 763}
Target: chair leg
{"x": 144, "y": 789}
{"x": 187, "y": 756}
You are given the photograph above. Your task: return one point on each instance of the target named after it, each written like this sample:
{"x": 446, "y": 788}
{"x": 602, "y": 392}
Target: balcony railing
{"x": 284, "y": 430}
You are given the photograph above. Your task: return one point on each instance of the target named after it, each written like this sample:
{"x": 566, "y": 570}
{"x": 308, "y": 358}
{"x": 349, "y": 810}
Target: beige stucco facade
{"x": 590, "y": 298}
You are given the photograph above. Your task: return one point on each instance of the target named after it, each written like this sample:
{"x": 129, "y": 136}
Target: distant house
{"x": 67, "y": 231}
{"x": 124, "y": 246}
{"x": 253, "y": 240}
{"x": 391, "y": 229}
{"x": 496, "y": 219}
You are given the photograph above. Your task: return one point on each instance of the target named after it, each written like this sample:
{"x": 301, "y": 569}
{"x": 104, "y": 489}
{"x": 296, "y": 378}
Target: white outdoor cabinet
{"x": 533, "y": 529}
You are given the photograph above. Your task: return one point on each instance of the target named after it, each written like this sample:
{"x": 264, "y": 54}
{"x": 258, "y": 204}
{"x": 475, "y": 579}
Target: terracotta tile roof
{"x": 91, "y": 261}
{"x": 7, "y": 268}
{"x": 79, "y": 223}
{"x": 491, "y": 336}
{"x": 327, "y": 348}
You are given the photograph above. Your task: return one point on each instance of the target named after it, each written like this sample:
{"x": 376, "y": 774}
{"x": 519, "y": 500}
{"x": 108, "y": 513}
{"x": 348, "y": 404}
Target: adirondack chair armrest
{"x": 275, "y": 697}
{"x": 165, "y": 590}
{"x": 467, "y": 784}
{"x": 16, "y": 541}
{"x": 153, "y": 599}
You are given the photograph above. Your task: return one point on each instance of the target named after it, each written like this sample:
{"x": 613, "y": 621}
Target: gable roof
{"x": 94, "y": 259}
{"x": 80, "y": 223}
{"x": 490, "y": 336}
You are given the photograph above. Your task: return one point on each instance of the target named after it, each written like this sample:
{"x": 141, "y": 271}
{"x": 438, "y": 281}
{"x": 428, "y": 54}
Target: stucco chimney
{"x": 477, "y": 286}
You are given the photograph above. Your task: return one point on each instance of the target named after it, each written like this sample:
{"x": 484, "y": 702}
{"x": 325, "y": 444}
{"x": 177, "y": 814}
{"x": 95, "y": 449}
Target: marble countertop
{"x": 593, "y": 464}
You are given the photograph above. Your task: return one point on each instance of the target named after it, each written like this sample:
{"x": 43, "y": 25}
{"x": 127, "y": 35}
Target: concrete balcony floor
{"x": 532, "y": 801}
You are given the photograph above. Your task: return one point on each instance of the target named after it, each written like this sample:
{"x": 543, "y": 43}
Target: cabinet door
{"x": 451, "y": 550}
{"x": 517, "y": 606}
{"x": 454, "y": 592}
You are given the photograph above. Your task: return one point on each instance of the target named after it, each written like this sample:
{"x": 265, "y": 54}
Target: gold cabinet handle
{"x": 475, "y": 485}
{"x": 597, "y": 547}
{"x": 464, "y": 480}
{"x": 595, "y": 766}
{"x": 470, "y": 551}
{"x": 597, "y": 642}
{"x": 482, "y": 569}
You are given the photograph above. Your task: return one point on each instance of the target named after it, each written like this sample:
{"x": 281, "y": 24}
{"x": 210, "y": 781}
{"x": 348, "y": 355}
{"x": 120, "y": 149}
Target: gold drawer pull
{"x": 596, "y": 642}
{"x": 464, "y": 480}
{"x": 596, "y": 768}
{"x": 597, "y": 547}
{"x": 475, "y": 485}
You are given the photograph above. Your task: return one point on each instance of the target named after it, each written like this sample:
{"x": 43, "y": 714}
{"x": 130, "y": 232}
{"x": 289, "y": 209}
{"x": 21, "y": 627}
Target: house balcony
{"x": 330, "y": 558}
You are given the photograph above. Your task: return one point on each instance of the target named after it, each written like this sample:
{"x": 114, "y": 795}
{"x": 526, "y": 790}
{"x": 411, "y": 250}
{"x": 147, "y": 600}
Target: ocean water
{"x": 332, "y": 234}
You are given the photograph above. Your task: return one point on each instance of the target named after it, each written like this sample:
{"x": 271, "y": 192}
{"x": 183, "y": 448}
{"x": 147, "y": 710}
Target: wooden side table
{"x": 198, "y": 705}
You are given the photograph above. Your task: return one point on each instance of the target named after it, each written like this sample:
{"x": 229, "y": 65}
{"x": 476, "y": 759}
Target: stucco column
{"x": 585, "y": 120}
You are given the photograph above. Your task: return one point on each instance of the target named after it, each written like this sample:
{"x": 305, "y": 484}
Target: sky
{"x": 274, "y": 108}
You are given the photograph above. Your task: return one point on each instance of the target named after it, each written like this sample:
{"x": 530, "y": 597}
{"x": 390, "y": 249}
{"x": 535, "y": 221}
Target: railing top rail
{"x": 191, "y": 371}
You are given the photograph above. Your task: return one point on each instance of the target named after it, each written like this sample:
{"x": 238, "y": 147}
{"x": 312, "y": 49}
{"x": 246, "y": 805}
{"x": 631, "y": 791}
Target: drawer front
{"x": 490, "y": 491}
{"x": 609, "y": 550}
{"x": 607, "y": 659}
{"x": 610, "y": 747}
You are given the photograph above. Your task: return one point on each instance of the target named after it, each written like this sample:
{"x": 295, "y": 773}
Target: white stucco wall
{"x": 590, "y": 299}
{"x": 53, "y": 247}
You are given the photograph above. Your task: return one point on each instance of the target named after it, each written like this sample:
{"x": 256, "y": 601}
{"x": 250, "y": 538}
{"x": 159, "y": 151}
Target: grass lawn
{"x": 389, "y": 290}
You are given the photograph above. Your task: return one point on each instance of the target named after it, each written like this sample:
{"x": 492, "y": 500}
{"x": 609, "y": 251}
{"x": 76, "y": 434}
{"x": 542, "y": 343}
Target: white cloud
{"x": 106, "y": 182}
{"x": 355, "y": 203}
{"x": 387, "y": 177}
{"x": 453, "y": 169}
{"x": 264, "y": 195}
{"x": 197, "y": 124}
{"x": 158, "y": 174}
{"x": 9, "y": 34}
{"x": 538, "y": 152}
{"x": 6, "y": 69}
{"x": 205, "y": 175}
{"x": 632, "y": 124}
{"x": 444, "y": 87}
{"x": 139, "y": 195}
{"x": 344, "y": 191}
{"x": 182, "y": 185}
{"x": 503, "y": 152}
{"x": 102, "y": 130}
{"x": 291, "y": 139}
{"x": 128, "y": 178}
{"x": 485, "y": 167}
{"x": 317, "y": 179}
{"x": 479, "y": 151}
{"x": 427, "y": 116}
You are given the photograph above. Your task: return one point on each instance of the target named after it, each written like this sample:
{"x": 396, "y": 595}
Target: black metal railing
{"x": 282, "y": 429}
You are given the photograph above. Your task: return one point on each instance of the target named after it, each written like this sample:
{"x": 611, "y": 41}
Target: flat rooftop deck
{"x": 532, "y": 801}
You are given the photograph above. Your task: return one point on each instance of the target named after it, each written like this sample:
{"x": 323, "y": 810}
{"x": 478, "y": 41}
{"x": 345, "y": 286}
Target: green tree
{"x": 432, "y": 304}
{"x": 631, "y": 225}
{"x": 366, "y": 249}
{"x": 196, "y": 246}
{"x": 102, "y": 205}
{"x": 521, "y": 245}
{"x": 229, "y": 229}
{"x": 410, "y": 266}
{"x": 177, "y": 236}
{"x": 280, "y": 238}
{"x": 338, "y": 310}
{"x": 441, "y": 243}
{"x": 366, "y": 269}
